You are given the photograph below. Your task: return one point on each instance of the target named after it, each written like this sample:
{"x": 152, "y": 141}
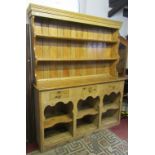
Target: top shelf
{"x": 41, "y": 36}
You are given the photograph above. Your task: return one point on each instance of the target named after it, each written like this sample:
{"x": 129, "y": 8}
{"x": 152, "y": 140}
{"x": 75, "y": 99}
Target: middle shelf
{"x": 57, "y": 119}
{"x": 85, "y": 112}
{"x": 110, "y": 106}
{"x": 67, "y": 60}
{"x": 43, "y": 36}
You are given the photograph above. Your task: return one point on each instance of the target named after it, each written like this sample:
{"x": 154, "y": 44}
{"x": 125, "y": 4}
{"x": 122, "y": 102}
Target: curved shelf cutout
{"x": 59, "y": 109}
{"x": 88, "y": 106}
{"x": 112, "y": 98}
{"x": 88, "y": 103}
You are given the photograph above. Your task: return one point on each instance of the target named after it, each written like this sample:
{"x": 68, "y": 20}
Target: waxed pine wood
{"x": 77, "y": 89}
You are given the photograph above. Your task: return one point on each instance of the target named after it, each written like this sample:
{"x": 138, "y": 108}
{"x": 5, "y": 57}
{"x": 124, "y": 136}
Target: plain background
{"x": 13, "y": 77}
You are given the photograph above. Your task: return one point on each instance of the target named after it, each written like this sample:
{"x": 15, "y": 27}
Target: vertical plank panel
{"x": 61, "y": 49}
{"x": 85, "y": 32}
{"x": 72, "y": 57}
{"x": 53, "y": 28}
{"x": 94, "y": 49}
{"x": 89, "y": 32}
{"x": 100, "y": 36}
{"x": 77, "y": 50}
{"x": 45, "y": 31}
{"x": 38, "y": 52}
{"x": 67, "y": 30}
{"x": 88, "y": 50}
{"x": 72, "y": 50}
{"x": 95, "y": 33}
{"x": 59, "y": 69}
{"x": 66, "y": 49}
{"x": 53, "y": 49}
{"x": 99, "y": 68}
{"x": 73, "y": 30}
{"x": 53, "y": 70}
{"x": 78, "y": 31}
{"x": 45, "y": 27}
{"x": 77, "y": 69}
{"x": 66, "y": 56}
{"x": 83, "y": 68}
{"x": 37, "y": 28}
{"x": 77, "y": 56}
{"x": 89, "y": 68}
{"x": 45, "y": 49}
{"x": 103, "y": 34}
{"x": 99, "y": 50}
{"x": 60, "y": 29}
{"x": 107, "y": 51}
{"x": 66, "y": 69}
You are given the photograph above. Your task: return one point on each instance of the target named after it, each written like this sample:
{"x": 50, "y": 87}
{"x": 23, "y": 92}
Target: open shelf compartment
{"x": 87, "y": 124}
{"x": 111, "y": 101}
{"x": 88, "y": 106}
{"x": 58, "y": 132}
{"x": 60, "y": 113}
{"x": 110, "y": 117}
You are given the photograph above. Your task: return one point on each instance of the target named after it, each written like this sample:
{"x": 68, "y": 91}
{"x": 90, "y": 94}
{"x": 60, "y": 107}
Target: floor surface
{"x": 121, "y": 130}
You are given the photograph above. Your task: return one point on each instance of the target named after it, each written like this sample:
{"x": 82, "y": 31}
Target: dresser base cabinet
{"x": 65, "y": 114}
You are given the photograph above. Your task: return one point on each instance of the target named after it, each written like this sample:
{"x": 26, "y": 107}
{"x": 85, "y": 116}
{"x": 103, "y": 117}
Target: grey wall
{"x": 100, "y": 8}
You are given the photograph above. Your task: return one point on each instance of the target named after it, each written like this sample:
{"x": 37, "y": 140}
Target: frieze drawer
{"x": 58, "y": 94}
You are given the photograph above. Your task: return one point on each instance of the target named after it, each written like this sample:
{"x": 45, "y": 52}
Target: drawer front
{"x": 89, "y": 90}
{"x": 59, "y": 94}
{"x": 54, "y": 96}
{"x": 114, "y": 87}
